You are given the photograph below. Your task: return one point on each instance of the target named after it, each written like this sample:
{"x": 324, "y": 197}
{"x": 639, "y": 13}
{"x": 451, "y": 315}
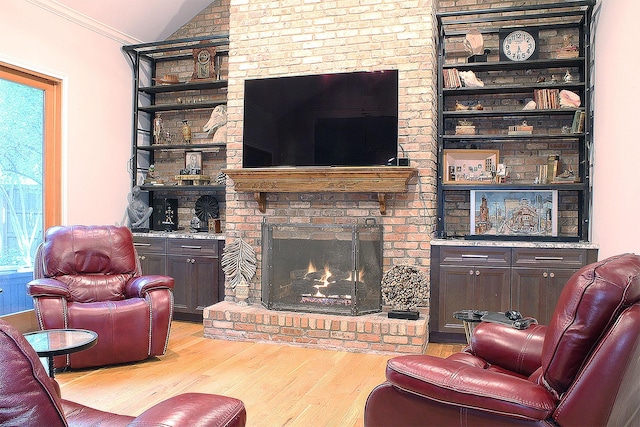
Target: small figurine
{"x": 469, "y": 79}
{"x": 157, "y": 129}
{"x": 568, "y": 78}
{"x": 138, "y": 212}
{"x": 186, "y": 132}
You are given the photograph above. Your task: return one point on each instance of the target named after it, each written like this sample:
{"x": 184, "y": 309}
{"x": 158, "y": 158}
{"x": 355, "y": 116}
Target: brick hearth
{"x": 372, "y": 333}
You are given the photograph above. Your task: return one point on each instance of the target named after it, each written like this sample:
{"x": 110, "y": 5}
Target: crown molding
{"x": 82, "y": 20}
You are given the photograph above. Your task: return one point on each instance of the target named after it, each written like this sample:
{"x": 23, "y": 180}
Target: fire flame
{"x": 323, "y": 281}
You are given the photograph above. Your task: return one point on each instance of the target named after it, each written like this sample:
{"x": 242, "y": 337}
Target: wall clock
{"x": 203, "y": 63}
{"x": 519, "y": 44}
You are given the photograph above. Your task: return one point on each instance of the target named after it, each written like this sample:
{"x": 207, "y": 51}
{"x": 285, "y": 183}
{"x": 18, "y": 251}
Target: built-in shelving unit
{"x": 508, "y": 85}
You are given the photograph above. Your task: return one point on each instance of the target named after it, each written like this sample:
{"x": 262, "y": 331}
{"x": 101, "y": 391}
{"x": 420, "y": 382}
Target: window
{"x": 29, "y": 176}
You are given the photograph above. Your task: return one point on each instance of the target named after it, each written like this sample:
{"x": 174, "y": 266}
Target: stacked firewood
{"x": 405, "y": 288}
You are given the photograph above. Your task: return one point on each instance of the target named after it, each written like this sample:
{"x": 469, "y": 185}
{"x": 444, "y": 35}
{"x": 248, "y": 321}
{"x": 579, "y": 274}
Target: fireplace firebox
{"x": 333, "y": 269}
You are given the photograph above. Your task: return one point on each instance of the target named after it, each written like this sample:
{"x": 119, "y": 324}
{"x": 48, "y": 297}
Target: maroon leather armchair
{"x": 89, "y": 277}
{"x": 580, "y": 370}
{"x": 29, "y": 397}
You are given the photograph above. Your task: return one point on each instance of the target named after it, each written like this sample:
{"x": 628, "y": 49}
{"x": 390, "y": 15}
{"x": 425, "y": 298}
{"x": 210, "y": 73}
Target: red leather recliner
{"x": 89, "y": 277}
{"x": 29, "y": 397}
{"x": 582, "y": 369}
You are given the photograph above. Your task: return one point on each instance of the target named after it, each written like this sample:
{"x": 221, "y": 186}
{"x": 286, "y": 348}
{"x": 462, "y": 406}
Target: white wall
{"x": 97, "y": 102}
{"x": 616, "y": 173}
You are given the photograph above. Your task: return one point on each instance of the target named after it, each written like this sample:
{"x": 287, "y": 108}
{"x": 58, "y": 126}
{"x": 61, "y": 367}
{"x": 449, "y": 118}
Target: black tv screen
{"x": 344, "y": 119}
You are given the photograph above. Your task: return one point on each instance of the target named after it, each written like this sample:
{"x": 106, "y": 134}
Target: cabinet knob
{"x": 142, "y": 257}
{"x": 470, "y": 272}
{"x": 552, "y": 275}
{"x": 477, "y": 272}
{"x": 544, "y": 274}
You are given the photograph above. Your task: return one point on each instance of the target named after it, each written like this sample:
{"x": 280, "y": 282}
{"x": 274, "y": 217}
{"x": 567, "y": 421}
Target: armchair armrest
{"x": 448, "y": 381}
{"x": 47, "y": 287}
{"x": 139, "y": 286}
{"x": 517, "y": 350}
{"x": 194, "y": 409}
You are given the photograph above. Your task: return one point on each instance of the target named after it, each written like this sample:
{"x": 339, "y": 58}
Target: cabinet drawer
{"x": 207, "y": 247}
{"x": 565, "y": 258}
{"x": 150, "y": 244}
{"x": 463, "y": 255}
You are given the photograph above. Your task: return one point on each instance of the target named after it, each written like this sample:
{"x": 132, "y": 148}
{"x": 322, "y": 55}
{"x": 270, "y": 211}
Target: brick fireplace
{"x": 299, "y": 37}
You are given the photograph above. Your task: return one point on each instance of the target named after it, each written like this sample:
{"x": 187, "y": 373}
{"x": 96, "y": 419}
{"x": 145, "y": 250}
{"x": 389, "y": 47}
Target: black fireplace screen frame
{"x": 352, "y": 251}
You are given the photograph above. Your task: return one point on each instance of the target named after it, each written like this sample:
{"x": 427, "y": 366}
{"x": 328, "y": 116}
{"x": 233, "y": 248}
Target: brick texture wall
{"x": 297, "y": 37}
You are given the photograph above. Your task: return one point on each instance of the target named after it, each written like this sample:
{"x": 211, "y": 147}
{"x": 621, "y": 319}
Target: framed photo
{"x": 470, "y": 166}
{"x": 193, "y": 162}
{"x": 514, "y": 213}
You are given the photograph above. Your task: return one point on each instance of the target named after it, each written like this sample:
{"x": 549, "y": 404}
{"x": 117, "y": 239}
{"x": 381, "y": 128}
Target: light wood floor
{"x": 279, "y": 385}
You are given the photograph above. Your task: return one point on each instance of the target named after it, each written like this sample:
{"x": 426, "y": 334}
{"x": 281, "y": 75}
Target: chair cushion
{"x": 589, "y": 302}
{"x": 27, "y": 395}
{"x": 94, "y": 261}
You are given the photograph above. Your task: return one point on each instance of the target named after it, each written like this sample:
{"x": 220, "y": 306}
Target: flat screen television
{"x": 342, "y": 119}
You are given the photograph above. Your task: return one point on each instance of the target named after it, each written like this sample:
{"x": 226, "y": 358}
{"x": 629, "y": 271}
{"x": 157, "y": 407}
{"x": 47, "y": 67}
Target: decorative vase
{"x": 186, "y": 132}
{"x": 242, "y": 292}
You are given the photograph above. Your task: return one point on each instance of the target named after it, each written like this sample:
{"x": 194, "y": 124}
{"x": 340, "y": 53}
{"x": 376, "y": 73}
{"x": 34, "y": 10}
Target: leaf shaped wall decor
{"x": 238, "y": 262}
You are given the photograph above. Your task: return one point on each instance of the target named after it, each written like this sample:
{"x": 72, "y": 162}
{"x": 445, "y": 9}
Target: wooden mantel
{"x": 361, "y": 179}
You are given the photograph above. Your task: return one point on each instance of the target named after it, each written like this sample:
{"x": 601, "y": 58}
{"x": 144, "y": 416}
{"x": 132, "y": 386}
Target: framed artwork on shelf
{"x": 193, "y": 162}
{"x": 531, "y": 213}
{"x": 470, "y": 166}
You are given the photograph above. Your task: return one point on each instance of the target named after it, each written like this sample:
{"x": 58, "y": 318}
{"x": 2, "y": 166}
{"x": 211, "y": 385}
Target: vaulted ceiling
{"x": 145, "y": 20}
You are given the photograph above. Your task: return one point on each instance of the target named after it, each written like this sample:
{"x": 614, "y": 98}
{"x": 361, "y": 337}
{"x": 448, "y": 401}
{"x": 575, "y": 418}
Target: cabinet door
{"x": 471, "y": 288}
{"x": 530, "y": 292}
{"x": 152, "y": 263}
{"x": 151, "y": 253}
{"x": 179, "y": 267}
{"x": 456, "y": 290}
{"x": 492, "y": 289}
{"x": 204, "y": 283}
{"x": 196, "y": 282}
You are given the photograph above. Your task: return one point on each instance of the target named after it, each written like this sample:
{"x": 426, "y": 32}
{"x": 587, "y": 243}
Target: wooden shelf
{"x": 365, "y": 179}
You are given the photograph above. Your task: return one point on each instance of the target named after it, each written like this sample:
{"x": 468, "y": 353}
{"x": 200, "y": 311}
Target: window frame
{"x": 52, "y": 136}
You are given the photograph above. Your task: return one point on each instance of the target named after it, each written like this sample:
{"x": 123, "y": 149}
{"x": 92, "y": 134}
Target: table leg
{"x": 51, "y": 368}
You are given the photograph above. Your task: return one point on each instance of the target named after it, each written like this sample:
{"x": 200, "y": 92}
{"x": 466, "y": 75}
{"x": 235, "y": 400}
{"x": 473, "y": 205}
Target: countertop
{"x": 513, "y": 244}
{"x": 181, "y": 234}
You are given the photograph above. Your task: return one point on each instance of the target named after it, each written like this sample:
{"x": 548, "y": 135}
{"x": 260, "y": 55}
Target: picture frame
{"x": 470, "y": 166}
{"x": 193, "y": 162}
{"x": 529, "y": 213}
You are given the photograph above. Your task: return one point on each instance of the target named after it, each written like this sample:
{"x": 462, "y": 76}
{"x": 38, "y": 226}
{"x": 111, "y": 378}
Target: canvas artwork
{"x": 514, "y": 213}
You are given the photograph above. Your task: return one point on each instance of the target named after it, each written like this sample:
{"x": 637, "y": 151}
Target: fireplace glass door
{"x": 335, "y": 269}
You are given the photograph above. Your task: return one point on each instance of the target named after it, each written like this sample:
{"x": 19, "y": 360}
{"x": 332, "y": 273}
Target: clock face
{"x": 203, "y": 56}
{"x": 519, "y": 45}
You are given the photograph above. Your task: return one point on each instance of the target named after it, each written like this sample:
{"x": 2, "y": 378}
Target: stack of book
{"x": 578, "y": 122}
{"x": 546, "y": 99}
{"x": 451, "y": 78}
{"x": 522, "y": 129}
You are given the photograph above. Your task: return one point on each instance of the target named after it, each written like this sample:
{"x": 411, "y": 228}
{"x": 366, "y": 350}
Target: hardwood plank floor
{"x": 279, "y": 385}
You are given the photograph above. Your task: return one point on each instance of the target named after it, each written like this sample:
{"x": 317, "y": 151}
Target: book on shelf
{"x": 546, "y": 99}
{"x": 578, "y": 122}
{"x": 552, "y": 168}
{"x": 451, "y": 78}
{"x": 522, "y": 129}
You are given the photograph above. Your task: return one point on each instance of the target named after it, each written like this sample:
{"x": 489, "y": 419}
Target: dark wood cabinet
{"x": 538, "y": 276}
{"x": 495, "y": 278}
{"x": 194, "y": 265}
{"x": 152, "y": 254}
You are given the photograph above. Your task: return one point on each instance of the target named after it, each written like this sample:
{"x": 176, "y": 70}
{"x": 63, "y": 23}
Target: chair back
{"x": 590, "y": 305}
{"x": 28, "y": 397}
{"x": 95, "y": 262}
